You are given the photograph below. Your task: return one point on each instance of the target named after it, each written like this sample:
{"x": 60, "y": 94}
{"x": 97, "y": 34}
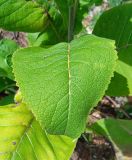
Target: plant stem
{"x": 72, "y": 17}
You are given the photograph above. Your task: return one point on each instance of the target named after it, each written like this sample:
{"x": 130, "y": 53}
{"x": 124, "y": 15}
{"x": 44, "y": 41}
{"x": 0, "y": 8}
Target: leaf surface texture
{"x": 62, "y": 84}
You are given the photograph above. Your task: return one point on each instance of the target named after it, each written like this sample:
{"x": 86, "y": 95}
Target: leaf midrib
{"x": 69, "y": 82}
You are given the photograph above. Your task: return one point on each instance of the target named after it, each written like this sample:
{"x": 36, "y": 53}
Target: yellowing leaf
{"x": 21, "y": 137}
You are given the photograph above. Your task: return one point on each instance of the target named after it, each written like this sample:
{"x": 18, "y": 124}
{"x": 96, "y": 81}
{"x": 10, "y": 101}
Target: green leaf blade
{"x": 65, "y": 82}
{"x": 22, "y": 15}
{"x": 116, "y": 24}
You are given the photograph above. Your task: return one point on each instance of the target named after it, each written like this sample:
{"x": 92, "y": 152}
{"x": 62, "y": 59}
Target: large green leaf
{"x": 62, "y": 84}
{"x": 7, "y": 48}
{"x": 22, "y": 15}
{"x": 116, "y": 24}
{"x": 21, "y": 137}
{"x": 119, "y": 132}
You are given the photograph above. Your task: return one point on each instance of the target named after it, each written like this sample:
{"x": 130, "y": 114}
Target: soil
{"x": 98, "y": 149}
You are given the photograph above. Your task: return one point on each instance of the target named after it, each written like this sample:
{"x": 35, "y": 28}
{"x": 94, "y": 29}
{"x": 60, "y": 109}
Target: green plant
{"x": 62, "y": 76}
